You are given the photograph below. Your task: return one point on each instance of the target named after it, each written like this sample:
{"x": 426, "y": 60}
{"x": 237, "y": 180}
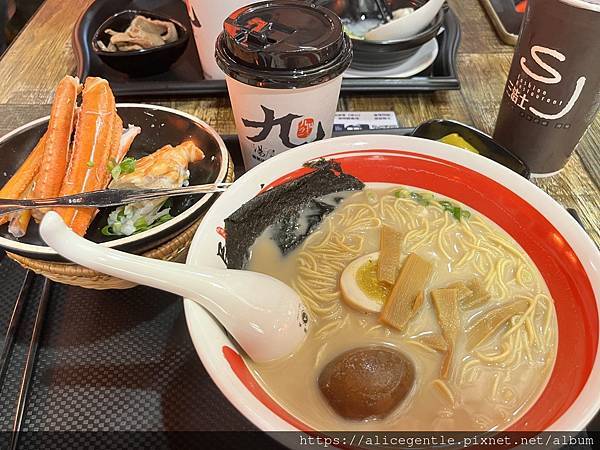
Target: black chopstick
{"x": 383, "y": 9}
{"x": 29, "y": 363}
{"x": 15, "y": 319}
{"x": 575, "y": 216}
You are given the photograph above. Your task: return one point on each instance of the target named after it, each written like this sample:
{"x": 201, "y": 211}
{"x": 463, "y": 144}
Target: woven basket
{"x": 77, "y": 275}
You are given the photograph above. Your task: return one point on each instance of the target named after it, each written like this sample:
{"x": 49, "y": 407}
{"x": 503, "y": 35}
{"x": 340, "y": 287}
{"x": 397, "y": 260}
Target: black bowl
{"x": 437, "y": 129}
{"x": 381, "y": 55}
{"x": 144, "y": 62}
{"x": 160, "y": 126}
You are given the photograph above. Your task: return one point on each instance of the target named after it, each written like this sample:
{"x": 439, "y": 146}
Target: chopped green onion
{"x": 116, "y": 227}
{"x": 456, "y": 212}
{"x": 126, "y": 166}
{"x": 140, "y": 223}
{"x": 425, "y": 199}
{"x": 90, "y": 163}
{"x": 162, "y": 219}
{"x": 416, "y": 196}
{"x": 107, "y": 231}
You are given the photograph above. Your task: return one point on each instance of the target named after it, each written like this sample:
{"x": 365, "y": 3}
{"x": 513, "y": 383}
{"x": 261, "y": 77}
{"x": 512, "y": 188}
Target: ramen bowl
{"x": 564, "y": 255}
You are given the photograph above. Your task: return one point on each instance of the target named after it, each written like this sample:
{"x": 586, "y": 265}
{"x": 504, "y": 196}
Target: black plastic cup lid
{"x": 283, "y": 44}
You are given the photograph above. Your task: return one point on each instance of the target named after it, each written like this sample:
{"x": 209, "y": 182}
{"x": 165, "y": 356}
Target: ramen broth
{"x": 489, "y": 387}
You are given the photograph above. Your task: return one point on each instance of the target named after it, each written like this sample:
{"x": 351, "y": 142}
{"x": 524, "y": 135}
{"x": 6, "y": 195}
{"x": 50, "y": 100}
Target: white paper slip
{"x": 364, "y": 120}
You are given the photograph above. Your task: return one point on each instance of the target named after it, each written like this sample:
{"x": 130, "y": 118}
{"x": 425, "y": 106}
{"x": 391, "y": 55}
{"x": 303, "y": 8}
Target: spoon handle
{"x": 263, "y": 314}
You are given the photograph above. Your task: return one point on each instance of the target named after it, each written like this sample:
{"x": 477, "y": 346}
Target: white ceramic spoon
{"x": 408, "y": 25}
{"x": 265, "y": 316}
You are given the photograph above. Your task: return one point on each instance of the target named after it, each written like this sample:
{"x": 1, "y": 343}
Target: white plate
{"x": 417, "y": 63}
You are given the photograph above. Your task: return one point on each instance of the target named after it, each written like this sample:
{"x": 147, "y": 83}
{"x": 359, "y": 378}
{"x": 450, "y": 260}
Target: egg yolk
{"x": 366, "y": 280}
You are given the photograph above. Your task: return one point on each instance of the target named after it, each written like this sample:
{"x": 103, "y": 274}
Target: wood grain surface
{"x": 42, "y": 55}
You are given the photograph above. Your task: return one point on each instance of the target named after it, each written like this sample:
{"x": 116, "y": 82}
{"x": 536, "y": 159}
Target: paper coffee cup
{"x": 206, "y": 17}
{"x": 271, "y": 121}
{"x": 552, "y": 93}
{"x": 284, "y": 62}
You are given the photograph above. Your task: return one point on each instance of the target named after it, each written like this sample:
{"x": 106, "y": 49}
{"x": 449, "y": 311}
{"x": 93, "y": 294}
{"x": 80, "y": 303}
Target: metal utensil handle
{"x": 107, "y": 197}
{"x": 383, "y": 9}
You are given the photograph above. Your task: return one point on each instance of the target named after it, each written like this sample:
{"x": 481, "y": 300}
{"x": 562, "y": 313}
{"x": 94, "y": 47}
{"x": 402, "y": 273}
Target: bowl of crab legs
{"x": 88, "y": 143}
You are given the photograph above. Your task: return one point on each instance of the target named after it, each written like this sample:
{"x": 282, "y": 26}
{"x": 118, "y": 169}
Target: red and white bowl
{"x": 566, "y": 257}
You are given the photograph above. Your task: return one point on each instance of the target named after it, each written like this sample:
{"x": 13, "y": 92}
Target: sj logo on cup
{"x": 531, "y": 90}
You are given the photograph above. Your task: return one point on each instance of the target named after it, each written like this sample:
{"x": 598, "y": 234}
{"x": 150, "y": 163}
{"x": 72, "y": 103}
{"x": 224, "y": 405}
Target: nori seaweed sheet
{"x": 281, "y": 207}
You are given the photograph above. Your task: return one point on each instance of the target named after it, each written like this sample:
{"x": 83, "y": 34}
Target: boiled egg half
{"x": 360, "y": 287}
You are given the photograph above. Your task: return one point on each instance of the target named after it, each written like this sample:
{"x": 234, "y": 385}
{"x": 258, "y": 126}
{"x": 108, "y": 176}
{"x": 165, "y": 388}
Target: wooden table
{"x": 42, "y": 55}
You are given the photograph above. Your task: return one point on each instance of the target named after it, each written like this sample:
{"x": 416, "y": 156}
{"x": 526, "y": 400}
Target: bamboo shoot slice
{"x": 445, "y": 302}
{"x": 389, "y": 254}
{"x": 479, "y": 296}
{"x": 400, "y": 306}
{"x": 471, "y": 294}
{"x": 435, "y": 342}
{"x": 492, "y": 320}
{"x": 419, "y": 300}
{"x": 463, "y": 291}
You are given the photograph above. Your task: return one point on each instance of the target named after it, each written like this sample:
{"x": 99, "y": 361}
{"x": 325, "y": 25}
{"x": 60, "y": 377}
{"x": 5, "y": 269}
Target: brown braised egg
{"x": 368, "y": 382}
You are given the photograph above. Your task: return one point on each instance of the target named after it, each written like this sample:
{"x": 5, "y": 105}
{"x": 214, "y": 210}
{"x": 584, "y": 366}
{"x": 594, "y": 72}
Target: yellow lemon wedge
{"x": 457, "y": 140}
